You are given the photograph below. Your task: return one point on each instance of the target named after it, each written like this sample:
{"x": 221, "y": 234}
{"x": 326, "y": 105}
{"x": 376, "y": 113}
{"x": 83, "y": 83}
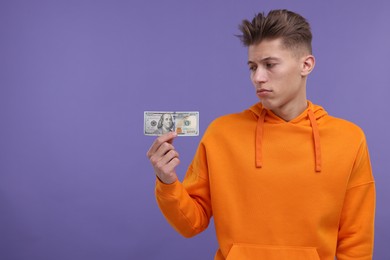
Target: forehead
{"x": 166, "y": 116}
{"x": 268, "y": 48}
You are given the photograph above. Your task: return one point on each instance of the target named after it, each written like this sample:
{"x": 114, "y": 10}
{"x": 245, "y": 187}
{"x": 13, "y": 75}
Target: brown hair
{"x": 291, "y": 27}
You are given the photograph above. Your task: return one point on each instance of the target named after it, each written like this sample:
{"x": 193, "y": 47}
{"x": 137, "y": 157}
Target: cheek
{"x": 288, "y": 76}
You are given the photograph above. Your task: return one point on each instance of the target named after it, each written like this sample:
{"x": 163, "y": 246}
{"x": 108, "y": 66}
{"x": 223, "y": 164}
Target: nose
{"x": 259, "y": 76}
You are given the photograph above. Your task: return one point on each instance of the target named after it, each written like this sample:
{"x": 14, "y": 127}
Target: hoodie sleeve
{"x": 186, "y": 205}
{"x": 356, "y": 229}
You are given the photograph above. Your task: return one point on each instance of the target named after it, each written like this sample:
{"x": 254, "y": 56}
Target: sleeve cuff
{"x": 167, "y": 189}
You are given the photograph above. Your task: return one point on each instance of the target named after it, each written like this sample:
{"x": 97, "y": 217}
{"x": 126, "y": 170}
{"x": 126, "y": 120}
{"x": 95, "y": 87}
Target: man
{"x": 165, "y": 124}
{"x": 283, "y": 179}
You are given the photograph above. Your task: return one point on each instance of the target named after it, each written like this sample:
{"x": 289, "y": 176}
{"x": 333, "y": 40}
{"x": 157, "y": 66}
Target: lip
{"x": 263, "y": 92}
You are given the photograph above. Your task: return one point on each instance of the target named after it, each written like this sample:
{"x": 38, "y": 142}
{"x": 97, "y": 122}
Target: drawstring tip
{"x": 259, "y": 165}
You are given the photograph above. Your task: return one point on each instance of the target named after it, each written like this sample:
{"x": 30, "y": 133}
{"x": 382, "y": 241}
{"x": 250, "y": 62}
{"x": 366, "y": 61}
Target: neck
{"x": 288, "y": 113}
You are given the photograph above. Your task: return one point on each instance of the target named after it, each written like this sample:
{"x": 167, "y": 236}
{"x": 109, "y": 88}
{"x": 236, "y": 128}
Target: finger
{"x": 174, "y": 134}
{"x": 159, "y": 161}
{"x": 171, "y": 166}
{"x": 164, "y": 149}
{"x": 169, "y": 156}
{"x": 162, "y": 155}
{"x": 168, "y": 137}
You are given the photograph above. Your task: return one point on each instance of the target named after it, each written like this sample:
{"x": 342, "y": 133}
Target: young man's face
{"x": 277, "y": 75}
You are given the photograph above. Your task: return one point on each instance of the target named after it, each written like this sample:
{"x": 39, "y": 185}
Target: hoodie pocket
{"x": 249, "y": 252}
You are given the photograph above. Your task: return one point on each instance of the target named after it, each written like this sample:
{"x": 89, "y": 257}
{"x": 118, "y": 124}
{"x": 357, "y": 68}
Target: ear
{"x": 308, "y": 63}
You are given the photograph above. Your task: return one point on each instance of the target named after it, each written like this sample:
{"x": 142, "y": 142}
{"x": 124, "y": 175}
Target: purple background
{"x": 76, "y": 76}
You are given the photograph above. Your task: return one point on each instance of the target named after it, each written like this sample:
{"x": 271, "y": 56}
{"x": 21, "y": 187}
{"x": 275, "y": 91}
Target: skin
{"x": 164, "y": 158}
{"x": 279, "y": 77}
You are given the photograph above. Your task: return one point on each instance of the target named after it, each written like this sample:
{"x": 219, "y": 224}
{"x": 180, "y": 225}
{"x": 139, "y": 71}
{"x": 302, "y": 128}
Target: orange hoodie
{"x": 301, "y": 189}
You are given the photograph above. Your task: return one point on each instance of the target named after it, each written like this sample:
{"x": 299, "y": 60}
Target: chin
{"x": 267, "y": 105}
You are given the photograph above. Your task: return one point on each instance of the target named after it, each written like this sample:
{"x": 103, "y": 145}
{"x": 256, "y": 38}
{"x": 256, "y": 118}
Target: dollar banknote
{"x": 161, "y": 122}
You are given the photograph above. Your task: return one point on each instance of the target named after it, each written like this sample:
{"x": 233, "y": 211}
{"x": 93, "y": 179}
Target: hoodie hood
{"x": 311, "y": 116}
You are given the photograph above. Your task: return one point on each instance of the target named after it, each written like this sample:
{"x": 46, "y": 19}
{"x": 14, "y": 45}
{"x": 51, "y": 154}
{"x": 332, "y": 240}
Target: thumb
{"x": 172, "y": 136}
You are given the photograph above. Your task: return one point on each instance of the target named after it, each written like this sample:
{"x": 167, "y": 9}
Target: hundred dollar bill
{"x": 161, "y": 122}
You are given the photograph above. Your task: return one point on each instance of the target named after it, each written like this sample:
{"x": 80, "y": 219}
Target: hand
{"x": 164, "y": 158}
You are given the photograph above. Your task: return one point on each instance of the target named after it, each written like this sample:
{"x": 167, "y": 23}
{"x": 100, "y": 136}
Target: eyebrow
{"x": 270, "y": 58}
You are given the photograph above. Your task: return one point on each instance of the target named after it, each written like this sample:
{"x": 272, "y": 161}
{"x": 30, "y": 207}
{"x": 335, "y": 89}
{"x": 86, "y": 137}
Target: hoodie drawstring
{"x": 259, "y": 139}
{"x": 316, "y": 137}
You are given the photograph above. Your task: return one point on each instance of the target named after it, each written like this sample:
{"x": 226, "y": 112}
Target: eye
{"x": 252, "y": 68}
{"x": 270, "y": 65}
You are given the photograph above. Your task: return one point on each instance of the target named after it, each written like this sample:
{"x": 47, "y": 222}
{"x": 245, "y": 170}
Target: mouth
{"x": 263, "y": 92}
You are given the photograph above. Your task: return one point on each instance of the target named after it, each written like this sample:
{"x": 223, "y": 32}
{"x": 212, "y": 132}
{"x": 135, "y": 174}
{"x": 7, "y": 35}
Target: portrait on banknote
{"x": 165, "y": 124}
